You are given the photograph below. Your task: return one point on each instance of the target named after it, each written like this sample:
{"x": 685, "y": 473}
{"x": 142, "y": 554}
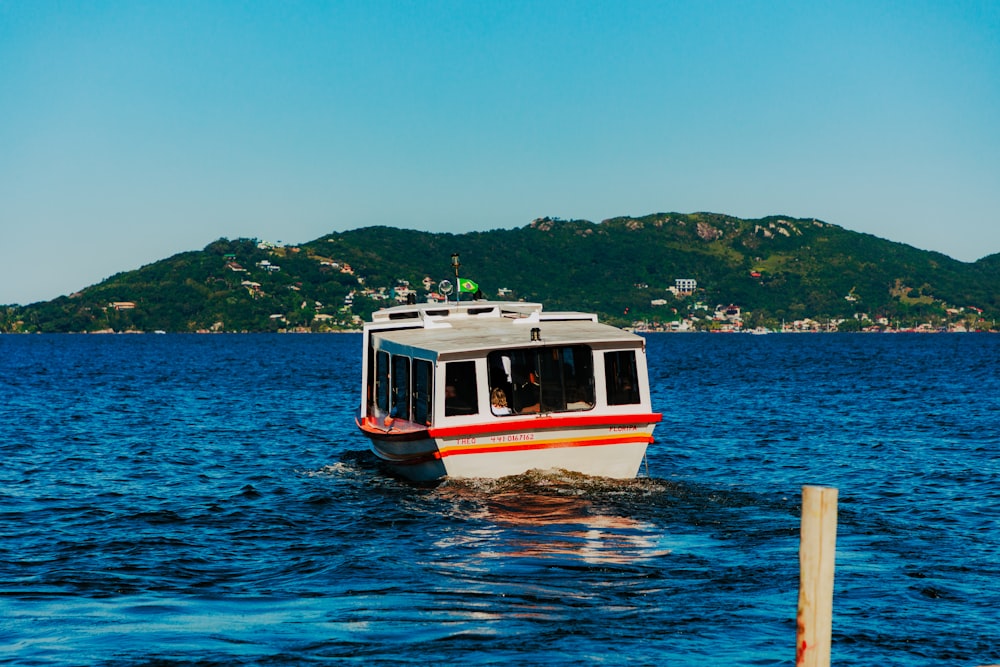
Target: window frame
{"x": 621, "y": 377}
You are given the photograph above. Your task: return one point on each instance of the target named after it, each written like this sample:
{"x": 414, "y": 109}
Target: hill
{"x": 775, "y": 269}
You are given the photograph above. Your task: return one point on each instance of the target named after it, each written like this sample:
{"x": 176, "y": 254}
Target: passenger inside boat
{"x": 576, "y": 399}
{"x": 554, "y": 379}
{"x": 498, "y": 402}
{"x": 528, "y": 394}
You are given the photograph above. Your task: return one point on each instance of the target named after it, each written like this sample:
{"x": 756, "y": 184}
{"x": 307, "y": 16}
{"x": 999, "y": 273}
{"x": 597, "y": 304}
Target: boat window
{"x": 622, "y": 377}
{"x": 422, "y": 391}
{"x": 549, "y": 379}
{"x": 382, "y": 381}
{"x": 460, "y": 394}
{"x": 577, "y": 365}
{"x": 370, "y": 381}
{"x": 400, "y": 387}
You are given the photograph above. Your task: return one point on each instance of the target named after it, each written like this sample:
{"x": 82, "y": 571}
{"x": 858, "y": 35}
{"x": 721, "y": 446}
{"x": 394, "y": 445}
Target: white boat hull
{"x": 616, "y": 461}
{"x": 601, "y": 450}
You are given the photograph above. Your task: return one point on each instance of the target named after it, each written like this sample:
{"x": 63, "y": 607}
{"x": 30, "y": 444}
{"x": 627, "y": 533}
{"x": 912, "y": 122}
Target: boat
{"x": 488, "y": 389}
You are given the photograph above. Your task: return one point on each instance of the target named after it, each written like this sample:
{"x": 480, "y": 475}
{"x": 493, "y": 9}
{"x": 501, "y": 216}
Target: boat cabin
{"x": 438, "y": 364}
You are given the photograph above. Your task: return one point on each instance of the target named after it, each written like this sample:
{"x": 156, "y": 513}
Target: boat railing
{"x": 436, "y": 312}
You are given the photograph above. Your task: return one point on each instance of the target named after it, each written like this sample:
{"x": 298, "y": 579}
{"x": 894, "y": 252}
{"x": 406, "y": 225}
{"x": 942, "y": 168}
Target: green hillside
{"x": 776, "y": 269}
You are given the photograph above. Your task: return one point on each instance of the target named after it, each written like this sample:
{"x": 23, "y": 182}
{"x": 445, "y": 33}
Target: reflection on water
{"x": 551, "y": 516}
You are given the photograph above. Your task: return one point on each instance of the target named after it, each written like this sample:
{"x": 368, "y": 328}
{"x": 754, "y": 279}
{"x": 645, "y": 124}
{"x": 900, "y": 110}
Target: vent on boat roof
{"x": 438, "y": 313}
{"x": 480, "y": 311}
{"x": 406, "y": 315}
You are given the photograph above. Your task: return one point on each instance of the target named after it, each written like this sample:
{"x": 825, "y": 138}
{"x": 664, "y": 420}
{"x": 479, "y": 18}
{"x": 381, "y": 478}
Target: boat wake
{"x": 555, "y": 515}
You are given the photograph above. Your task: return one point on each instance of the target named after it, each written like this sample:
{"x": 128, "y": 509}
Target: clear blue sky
{"x": 133, "y": 130}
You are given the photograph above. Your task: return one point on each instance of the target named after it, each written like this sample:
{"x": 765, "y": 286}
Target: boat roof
{"x": 462, "y": 327}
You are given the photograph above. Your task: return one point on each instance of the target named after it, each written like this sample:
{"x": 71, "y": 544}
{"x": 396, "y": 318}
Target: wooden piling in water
{"x": 817, "y": 548}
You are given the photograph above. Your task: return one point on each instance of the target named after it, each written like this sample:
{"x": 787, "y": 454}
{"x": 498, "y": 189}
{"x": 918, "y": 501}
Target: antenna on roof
{"x": 455, "y": 264}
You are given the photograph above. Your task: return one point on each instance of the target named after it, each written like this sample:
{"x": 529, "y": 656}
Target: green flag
{"x": 466, "y": 285}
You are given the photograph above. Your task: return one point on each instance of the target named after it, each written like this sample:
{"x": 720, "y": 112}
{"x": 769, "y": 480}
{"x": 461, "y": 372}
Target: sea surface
{"x": 178, "y": 499}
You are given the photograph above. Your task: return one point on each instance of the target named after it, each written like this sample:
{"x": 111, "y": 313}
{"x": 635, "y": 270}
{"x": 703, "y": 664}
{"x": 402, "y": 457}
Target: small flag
{"x": 466, "y": 285}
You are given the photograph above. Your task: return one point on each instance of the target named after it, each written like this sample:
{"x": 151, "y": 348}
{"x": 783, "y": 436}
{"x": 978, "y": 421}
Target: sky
{"x": 134, "y": 130}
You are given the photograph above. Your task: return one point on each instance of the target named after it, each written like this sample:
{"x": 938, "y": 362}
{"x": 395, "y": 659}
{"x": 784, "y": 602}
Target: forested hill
{"x": 775, "y": 269}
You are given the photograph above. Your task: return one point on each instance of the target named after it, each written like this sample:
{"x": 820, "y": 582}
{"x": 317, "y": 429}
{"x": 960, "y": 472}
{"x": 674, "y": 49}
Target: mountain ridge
{"x": 776, "y": 268}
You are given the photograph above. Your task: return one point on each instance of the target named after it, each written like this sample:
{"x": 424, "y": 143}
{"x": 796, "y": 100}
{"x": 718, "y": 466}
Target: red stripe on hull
{"x": 544, "y": 422}
{"x": 487, "y": 449}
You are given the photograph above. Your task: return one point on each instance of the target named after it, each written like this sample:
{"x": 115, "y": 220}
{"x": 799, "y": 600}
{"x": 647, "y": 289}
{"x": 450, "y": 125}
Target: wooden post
{"x": 817, "y": 547}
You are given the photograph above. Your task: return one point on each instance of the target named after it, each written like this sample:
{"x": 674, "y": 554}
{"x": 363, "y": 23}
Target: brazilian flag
{"x": 466, "y": 285}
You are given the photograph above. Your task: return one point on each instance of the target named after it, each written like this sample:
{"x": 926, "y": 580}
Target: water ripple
{"x": 206, "y": 499}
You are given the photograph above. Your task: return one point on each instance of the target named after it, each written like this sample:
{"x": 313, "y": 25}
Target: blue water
{"x": 206, "y": 499}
